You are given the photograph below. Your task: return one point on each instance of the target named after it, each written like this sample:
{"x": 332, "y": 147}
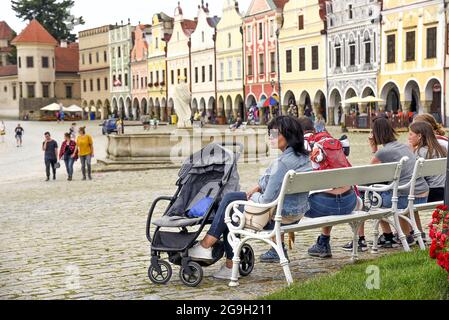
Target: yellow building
{"x": 412, "y": 69}
{"x": 302, "y": 51}
{"x": 230, "y": 62}
{"x": 157, "y": 65}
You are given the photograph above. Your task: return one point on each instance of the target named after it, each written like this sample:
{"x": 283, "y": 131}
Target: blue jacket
{"x": 271, "y": 183}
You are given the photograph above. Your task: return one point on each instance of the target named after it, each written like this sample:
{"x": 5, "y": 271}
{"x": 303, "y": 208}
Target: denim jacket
{"x": 271, "y": 183}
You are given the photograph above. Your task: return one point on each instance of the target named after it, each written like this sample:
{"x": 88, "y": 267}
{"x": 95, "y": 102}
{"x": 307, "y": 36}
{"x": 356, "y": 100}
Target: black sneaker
{"x": 387, "y": 242}
{"x": 320, "y": 250}
{"x": 362, "y": 247}
{"x": 271, "y": 256}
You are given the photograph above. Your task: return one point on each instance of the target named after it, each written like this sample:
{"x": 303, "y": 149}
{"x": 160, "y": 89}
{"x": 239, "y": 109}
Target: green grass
{"x": 403, "y": 276}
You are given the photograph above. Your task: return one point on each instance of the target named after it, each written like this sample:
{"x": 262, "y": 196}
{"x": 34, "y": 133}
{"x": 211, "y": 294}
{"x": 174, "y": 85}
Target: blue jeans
{"x": 219, "y": 227}
{"x": 69, "y": 166}
{"x": 402, "y": 200}
{"x": 86, "y": 161}
{"x": 322, "y": 205}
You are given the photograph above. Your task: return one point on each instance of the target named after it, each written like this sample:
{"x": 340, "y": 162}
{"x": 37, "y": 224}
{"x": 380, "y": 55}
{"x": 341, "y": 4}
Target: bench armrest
{"x": 376, "y": 188}
{"x": 239, "y": 217}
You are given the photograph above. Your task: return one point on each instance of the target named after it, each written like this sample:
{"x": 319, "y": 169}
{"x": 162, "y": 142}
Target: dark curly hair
{"x": 291, "y": 129}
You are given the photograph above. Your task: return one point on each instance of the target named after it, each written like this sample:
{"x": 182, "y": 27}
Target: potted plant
{"x": 439, "y": 233}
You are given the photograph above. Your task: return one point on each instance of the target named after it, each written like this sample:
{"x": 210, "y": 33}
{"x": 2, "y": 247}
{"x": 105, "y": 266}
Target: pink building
{"x": 139, "y": 71}
{"x": 260, "y": 25}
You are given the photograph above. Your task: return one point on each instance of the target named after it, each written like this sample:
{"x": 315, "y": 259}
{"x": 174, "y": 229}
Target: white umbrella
{"x": 74, "y": 108}
{"x": 52, "y": 107}
{"x": 371, "y": 99}
{"x": 353, "y": 100}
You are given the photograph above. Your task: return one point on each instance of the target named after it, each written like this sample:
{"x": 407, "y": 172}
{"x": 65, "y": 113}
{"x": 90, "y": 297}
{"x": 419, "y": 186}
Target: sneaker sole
{"x": 317, "y": 255}
{"x": 359, "y": 250}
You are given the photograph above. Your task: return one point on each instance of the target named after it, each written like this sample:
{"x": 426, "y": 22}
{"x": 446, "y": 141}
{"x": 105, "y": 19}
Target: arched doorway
{"x": 136, "y": 109}
{"x": 144, "y": 107}
{"x": 170, "y": 108}
{"x": 434, "y": 99}
{"x": 290, "y": 103}
{"x": 239, "y": 107}
{"x": 212, "y": 110}
{"x": 228, "y": 109}
{"x": 335, "y": 104}
{"x": 151, "y": 108}
{"x": 412, "y": 97}
{"x": 129, "y": 111}
{"x": 157, "y": 107}
{"x": 194, "y": 106}
{"x": 115, "y": 108}
{"x": 122, "y": 112}
{"x": 305, "y": 104}
{"x": 108, "y": 108}
{"x": 100, "y": 112}
{"x": 320, "y": 103}
{"x": 353, "y": 107}
{"x": 390, "y": 94}
{"x": 221, "y": 105}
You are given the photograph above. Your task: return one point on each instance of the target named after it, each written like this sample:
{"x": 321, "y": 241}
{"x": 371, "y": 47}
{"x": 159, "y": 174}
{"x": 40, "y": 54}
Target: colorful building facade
{"x": 229, "y": 65}
{"x": 413, "y": 53}
{"x": 354, "y": 54}
{"x": 6, "y": 36}
{"x": 139, "y": 71}
{"x": 203, "y": 67}
{"x": 179, "y": 55}
{"x": 302, "y": 43}
{"x": 120, "y": 44}
{"x": 260, "y": 40}
{"x": 158, "y": 83}
{"x": 94, "y": 71}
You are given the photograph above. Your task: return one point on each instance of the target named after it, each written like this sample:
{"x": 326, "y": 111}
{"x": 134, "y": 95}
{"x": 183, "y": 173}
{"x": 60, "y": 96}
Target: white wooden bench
{"x": 295, "y": 183}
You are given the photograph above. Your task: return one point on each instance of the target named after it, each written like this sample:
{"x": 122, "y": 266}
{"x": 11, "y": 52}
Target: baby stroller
{"x": 211, "y": 172}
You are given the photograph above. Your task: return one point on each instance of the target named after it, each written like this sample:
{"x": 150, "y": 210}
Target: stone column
{"x": 301, "y": 109}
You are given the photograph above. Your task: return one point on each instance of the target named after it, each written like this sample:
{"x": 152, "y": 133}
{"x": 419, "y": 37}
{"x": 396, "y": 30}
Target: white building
{"x": 203, "y": 64}
{"x": 353, "y": 51}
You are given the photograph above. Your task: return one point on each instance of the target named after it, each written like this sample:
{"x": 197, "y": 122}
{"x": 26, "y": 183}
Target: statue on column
{"x": 182, "y": 99}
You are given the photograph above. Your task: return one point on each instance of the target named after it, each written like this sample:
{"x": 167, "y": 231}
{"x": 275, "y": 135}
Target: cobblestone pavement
{"x": 86, "y": 240}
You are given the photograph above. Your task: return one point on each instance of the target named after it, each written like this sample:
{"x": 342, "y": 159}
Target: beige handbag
{"x": 257, "y": 218}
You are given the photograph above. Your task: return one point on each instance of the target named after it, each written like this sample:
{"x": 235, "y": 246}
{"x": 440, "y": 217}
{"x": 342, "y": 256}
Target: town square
{"x": 230, "y": 150}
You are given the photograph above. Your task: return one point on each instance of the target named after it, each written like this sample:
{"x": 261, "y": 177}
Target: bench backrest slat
{"x": 433, "y": 167}
{"x": 320, "y": 180}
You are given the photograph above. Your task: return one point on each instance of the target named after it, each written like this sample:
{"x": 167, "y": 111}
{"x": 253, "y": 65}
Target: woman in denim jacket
{"x": 285, "y": 134}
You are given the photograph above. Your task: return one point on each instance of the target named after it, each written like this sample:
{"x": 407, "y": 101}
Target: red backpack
{"x": 328, "y": 153}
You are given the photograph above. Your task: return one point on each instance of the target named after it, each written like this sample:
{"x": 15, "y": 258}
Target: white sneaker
{"x": 224, "y": 273}
{"x": 199, "y": 253}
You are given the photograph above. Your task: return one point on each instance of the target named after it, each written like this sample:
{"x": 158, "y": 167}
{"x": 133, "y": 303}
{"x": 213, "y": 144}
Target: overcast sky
{"x": 100, "y": 12}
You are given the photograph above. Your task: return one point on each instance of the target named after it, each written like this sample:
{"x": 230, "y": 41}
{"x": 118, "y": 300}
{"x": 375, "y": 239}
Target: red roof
{"x": 280, "y": 3}
{"x": 6, "y": 33}
{"x": 67, "y": 59}
{"x": 35, "y": 33}
{"x": 10, "y": 70}
{"x": 188, "y": 26}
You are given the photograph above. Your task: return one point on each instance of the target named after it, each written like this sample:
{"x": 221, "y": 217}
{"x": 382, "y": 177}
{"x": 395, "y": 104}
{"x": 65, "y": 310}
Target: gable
{"x": 258, "y": 6}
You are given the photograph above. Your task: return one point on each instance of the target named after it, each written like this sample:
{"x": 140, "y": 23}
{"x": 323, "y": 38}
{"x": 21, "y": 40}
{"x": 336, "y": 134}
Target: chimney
{"x": 63, "y": 44}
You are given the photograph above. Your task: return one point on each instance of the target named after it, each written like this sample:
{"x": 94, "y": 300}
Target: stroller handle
{"x": 150, "y": 214}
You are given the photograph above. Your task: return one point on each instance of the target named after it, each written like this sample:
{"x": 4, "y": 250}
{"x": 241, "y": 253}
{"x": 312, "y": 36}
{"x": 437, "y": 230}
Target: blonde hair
{"x": 426, "y": 117}
{"x": 83, "y": 130}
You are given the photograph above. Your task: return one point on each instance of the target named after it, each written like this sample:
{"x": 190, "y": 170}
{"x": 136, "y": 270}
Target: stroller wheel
{"x": 192, "y": 275}
{"x": 161, "y": 276}
{"x": 247, "y": 260}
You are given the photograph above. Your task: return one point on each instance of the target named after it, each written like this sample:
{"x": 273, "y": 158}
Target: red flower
{"x": 442, "y": 207}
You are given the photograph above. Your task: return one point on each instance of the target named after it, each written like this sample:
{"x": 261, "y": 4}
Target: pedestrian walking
{"x": 50, "y": 148}
{"x": 68, "y": 154}
{"x": 19, "y": 135}
{"x": 119, "y": 126}
{"x": 72, "y": 131}
{"x": 2, "y": 131}
{"x": 85, "y": 151}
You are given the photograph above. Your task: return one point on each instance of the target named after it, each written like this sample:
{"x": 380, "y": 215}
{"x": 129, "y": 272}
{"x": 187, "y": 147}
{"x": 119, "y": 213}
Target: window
{"x": 106, "y": 84}
{"x": 21, "y": 89}
{"x": 172, "y": 75}
{"x": 431, "y": 43}
{"x": 315, "y": 58}
{"x": 120, "y": 79}
{"x": 261, "y": 63}
{"x": 157, "y": 76}
{"x": 271, "y": 28}
{"x": 302, "y": 59}
{"x": 85, "y": 85}
{"x": 367, "y": 52}
{"x": 260, "y": 31}
{"x": 156, "y": 43}
{"x": 249, "y": 34}
{"x": 179, "y": 74}
{"x": 68, "y": 92}
{"x": 391, "y": 48}
{"x": 20, "y": 62}
{"x": 239, "y": 69}
{"x": 203, "y": 74}
{"x": 250, "y": 65}
{"x": 141, "y": 82}
{"x": 98, "y": 84}
{"x": 119, "y": 54}
{"x": 163, "y": 77}
{"x": 222, "y": 71}
{"x": 352, "y": 53}
{"x": 53, "y": 63}
{"x": 126, "y": 79}
{"x": 272, "y": 62}
{"x": 185, "y": 74}
{"x": 45, "y": 63}
{"x": 337, "y": 55}
{"x": 288, "y": 61}
{"x": 301, "y": 22}
{"x": 202, "y": 36}
{"x": 350, "y": 14}
{"x": 90, "y": 58}
{"x": 105, "y": 56}
{"x": 91, "y": 85}
{"x": 98, "y": 57}
{"x": 229, "y": 40}
{"x": 31, "y": 90}
{"x": 230, "y": 69}
{"x": 211, "y": 73}
{"x": 30, "y": 62}
{"x": 14, "y": 92}
{"x": 196, "y": 74}
{"x": 83, "y": 59}
{"x": 410, "y": 46}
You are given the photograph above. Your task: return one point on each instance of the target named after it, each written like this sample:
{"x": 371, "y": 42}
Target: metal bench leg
{"x": 416, "y": 232}
{"x": 236, "y": 266}
{"x": 375, "y": 248}
{"x": 402, "y": 237}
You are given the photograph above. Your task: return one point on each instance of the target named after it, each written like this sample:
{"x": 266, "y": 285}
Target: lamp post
{"x": 279, "y": 69}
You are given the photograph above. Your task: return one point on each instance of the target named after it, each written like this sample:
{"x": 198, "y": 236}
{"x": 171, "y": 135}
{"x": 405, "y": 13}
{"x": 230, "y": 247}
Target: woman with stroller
{"x": 285, "y": 134}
